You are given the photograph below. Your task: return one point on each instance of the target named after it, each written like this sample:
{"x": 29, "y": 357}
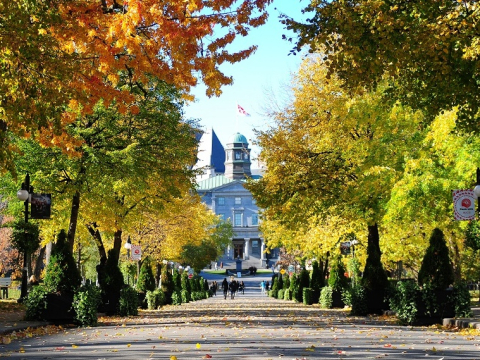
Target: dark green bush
{"x": 25, "y": 236}
{"x": 462, "y": 300}
{"x": 186, "y": 297}
{"x": 167, "y": 283}
{"x": 317, "y": 281}
{"x": 374, "y": 275}
{"x": 186, "y": 283}
{"x": 337, "y": 280}
{"x": 279, "y": 281}
{"x": 112, "y": 282}
{"x": 62, "y": 275}
{"x": 281, "y": 294}
{"x": 287, "y": 295}
{"x": 436, "y": 269}
{"x": 177, "y": 298}
{"x": 307, "y": 296}
{"x": 326, "y": 297}
{"x": 85, "y": 303}
{"x": 128, "y": 304}
{"x": 273, "y": 293}
{"x": 146, "y": 280}
{"x": 358, "y": 296}
{"x": 155, "y": 299}
{"x": 286, "y": 282}
{"x": 404, "y": 302}
{"x": 36, "y": 303}
{"x": 275, "y": 284}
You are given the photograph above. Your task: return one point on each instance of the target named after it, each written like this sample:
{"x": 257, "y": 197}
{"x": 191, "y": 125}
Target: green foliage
{"x": 287, "y": 295}
{"x": 307, "y": 296}
{"x": 155, "y": 299}
{"x": 129, "y": 270}
{"x": 62, "y": 274}
{"x": 36, "y": 303}
{"x": 337, "y": 280}
{"x": 462, "y": 300}
{"x": 281, "y": 294}
{"x": 436, "y": 269}
{"x": 353, "y": 267}
{"x": 275, "y": 283}
{"x": 186, "y": 297}
{"x": 205, "y": 285}
{"x": 177, "y": 297}
{"x": 358, "y": 295}
{"x": 177, "y": 280}
{"x": 167, "y": 283}
{"x": 186, "y": 285}
{"x": 472, "y": 235}
{"x": 128, "y": 304}
{"x": 316, "y": 281}
{"x": 279, "y": 281}
{"x": 326, "y": 297}
{"x": 85, "y": 303}
{"x": 286, "y": 283}
{"x": 404, "y": 301}
{"x": 304, "y": 279}
{"x": 146, "y": 280}
{"x": 273, "y": 293}
{"x": 293, "y": 282}
{"x": 25, "y": 236}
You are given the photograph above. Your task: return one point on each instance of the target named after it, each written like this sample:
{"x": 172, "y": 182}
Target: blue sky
{"x": 268, "y": 69}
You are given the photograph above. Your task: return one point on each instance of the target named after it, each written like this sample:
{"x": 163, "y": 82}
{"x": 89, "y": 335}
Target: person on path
{"x": 214, "y": 288}
{"x": 267, "y": 286}
{"x": 241, "y": 287}
{"x": 216, "y": 266}
{"x": 262, "y": 287}
{"x": 233, "y": 289}
{"x": 225, "y": 288}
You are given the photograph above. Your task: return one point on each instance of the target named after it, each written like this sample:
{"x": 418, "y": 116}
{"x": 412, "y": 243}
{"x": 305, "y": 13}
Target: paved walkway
{"x": 249, "y": 327}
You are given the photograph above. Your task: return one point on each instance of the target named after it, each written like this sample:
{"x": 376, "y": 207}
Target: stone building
{"x": 221, "y": 185}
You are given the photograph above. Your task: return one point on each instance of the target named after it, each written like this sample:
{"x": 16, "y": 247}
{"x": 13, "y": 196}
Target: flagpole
{"x": 236, "y": 117}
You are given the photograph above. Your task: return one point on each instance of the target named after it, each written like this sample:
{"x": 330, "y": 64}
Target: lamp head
{"x": 476, "y": 191}
{"x": 22, "y": 195}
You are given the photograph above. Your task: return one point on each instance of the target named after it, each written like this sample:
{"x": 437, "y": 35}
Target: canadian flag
{"x": 241, "y": 111}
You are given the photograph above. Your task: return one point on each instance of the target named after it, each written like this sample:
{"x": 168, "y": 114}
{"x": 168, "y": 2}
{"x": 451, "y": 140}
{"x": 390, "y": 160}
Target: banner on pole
{"x": 136, "y": 252}
{"x": 464, "y": 204}
{"x": 41, "y": 206}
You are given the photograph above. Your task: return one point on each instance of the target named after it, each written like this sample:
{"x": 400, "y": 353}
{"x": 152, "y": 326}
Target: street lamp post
{"x": 128, "y": 246}
{"x": 24, "y": 195}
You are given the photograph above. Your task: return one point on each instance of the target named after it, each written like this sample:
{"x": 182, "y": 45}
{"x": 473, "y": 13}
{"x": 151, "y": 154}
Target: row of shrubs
{"x": 61, "y": 298}
{"x": 413, "y": 304}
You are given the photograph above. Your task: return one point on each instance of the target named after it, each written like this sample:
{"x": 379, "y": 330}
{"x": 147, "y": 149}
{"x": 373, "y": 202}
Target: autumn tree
{"x": 428, "y": 49}
{"x": 123, "y": 165}
{"x": 332, "y": 159}
{"x": 60, "y": 58}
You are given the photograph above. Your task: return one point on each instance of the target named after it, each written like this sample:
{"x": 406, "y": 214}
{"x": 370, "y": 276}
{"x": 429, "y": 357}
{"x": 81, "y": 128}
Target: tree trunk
{"x": 117, "y": 241}
{"x": 38, "y": 264}
{"x": 98, "y": 240}
{"x": 72, "y": 228}
{"x": 374, "y": 276}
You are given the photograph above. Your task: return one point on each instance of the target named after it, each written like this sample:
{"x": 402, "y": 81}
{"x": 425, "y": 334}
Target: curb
{"x": 20, "y": 326}
{"x": 462, "y": 323}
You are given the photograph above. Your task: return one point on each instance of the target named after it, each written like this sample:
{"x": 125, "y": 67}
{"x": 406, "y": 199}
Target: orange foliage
{"x": 73, "y": 53}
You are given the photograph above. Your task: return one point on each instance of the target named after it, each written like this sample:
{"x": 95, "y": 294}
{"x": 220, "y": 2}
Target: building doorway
{"x": 238, "y": 251}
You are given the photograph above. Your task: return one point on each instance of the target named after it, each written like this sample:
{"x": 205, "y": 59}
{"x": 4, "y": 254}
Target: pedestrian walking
{"x": 216, "y": 266}
{"x": 267, "y": 286}
{"x": 233, "y": 289}
{"x": 262, "y": 287}
{"x": 225, "y": 288}
{"x": 241, "y": 287}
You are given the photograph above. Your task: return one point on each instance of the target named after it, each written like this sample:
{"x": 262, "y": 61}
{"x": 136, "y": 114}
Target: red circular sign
{"x": 466, "y": 203}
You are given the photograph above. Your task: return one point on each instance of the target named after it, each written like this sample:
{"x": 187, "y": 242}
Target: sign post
{"x": 136, "y": 252}
{"x": 464, "y": 204}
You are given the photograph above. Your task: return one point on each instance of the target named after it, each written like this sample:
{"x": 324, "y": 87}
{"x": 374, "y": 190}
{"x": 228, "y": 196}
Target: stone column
{"x": 262, "y": 249}
{"x": 246, "y": 252}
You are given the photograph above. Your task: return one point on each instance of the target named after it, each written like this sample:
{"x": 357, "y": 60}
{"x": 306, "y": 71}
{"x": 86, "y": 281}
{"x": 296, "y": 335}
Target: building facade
{"x": 221, "y": 185}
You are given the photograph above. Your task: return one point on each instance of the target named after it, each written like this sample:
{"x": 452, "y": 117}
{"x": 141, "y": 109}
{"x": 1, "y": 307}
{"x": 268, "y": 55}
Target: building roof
{"x": 217, "y": 181}
{"x": 238, "y": 138}
{"x": 211, "y": 152}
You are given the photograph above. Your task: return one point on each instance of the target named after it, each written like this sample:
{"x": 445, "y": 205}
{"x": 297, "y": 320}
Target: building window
{"x": 245, "y": 156}
{"x": 221, "y": 201}
{"x": 238, "y": 201}
{"x": 238, "y": 155}
{"x": 254, "y": 219}
{"x": 238, "y": 219}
